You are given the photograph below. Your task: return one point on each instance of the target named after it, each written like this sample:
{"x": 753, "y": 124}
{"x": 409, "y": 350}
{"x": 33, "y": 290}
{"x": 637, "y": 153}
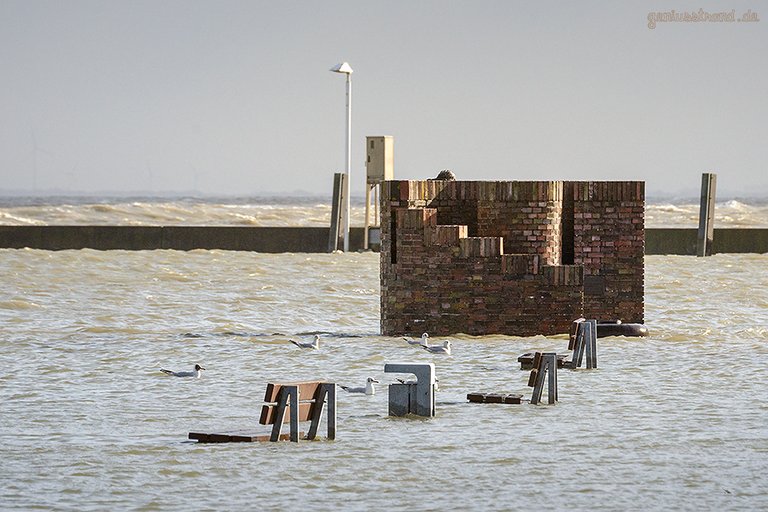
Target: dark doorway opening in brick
{"x": 393, "y": 239}
{"x": 567, "y": 246}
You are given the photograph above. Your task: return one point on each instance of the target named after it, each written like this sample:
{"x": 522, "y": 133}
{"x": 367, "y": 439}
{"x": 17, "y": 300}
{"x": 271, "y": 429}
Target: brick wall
{"x": 609, "y": 241}
{"x": 485, "y": 257}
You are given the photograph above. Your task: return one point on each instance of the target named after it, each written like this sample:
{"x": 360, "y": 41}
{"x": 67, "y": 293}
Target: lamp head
{"x": 344, "y": 67}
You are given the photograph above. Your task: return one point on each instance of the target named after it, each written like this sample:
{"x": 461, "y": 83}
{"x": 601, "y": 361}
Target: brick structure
{"x": 509, "y": 257}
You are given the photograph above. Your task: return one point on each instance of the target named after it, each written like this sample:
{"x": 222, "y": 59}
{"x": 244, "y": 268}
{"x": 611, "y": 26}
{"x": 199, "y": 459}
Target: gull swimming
{"x": 368, "y": 389}
{"x": 196, "y": 373}
{"x": 315, "y": 344}
{"x": 445, "y": 348}
{"x": 424, "y": 341}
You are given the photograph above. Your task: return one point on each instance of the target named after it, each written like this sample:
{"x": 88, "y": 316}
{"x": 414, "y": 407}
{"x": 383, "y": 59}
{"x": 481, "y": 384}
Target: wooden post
{"x": 584, "y": 343}
{"x": 546, "y": 368}
{"x": 331, "y": 420}
{"x": 706, "y": 214}
{"x": 578, "y": 349}
{"x": 590, "y": 342}
{"x": 376, "y": 220}
{"x": 325, "y": 393}
{"x": 336, "y": 211}
{"x": 282, "y": 399}
{"x": 367, "y": 215}
{"x": 552, "y": 377}
{"x": 287, "y": 393}
{"x": 294, "y": 396}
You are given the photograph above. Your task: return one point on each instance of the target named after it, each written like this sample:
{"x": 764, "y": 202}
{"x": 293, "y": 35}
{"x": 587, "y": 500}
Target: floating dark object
{"x": 526, "y": 361}
{"x": 616, "y": 328}
{"x": 494, "y": 398}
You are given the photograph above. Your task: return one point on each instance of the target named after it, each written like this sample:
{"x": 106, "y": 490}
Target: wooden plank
{"x": 202, "y": 437}
{"x": 573, "y": 332}
{"x": 536, "y": 359}
{"x": 269, "y": 411}
{"x": 494, "y": 398}
{"x": 526, "y": 361}
{"x": 306, "y": 390}
{"x": 532, "y": 377}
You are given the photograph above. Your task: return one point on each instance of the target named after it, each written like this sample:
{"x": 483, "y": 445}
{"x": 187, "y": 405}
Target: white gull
{"x": 445, "y": 348}
{"x": 368, "y": 389}
{"x": 424, "y": 341}
{"x": 315, "y": 344}
{"x": 196, "y": 373}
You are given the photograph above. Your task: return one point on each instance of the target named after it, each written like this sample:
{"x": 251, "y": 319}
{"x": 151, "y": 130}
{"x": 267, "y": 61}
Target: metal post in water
{"x": 347, "y": 188}
{"x": 336, "y": 214}
{"x": 346, "y": 69}
{"x": 367, "y": 215}
{"x": 706, "y": 215}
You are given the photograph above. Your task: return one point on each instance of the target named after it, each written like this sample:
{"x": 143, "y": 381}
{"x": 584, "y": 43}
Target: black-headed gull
{"x": 368, "y": 389}
{"x": 196, "y": 373}
{"x": 424, "y": 341}
{"x": 315, "y": 344}
{"x": 445, "y": 348}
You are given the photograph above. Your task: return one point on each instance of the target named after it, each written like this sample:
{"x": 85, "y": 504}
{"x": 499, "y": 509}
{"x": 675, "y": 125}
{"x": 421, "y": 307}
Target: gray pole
{"x": 349, "y": 162}
{"x": 706, "y": 215}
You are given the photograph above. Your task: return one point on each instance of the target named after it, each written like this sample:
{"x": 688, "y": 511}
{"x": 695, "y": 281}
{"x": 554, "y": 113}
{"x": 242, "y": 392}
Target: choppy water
{"x": 310, "y": 211}
{"x": 677, "y": 421}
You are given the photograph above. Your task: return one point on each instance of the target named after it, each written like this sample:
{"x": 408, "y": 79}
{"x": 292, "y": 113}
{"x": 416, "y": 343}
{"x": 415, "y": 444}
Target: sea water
{"x": 675, "y": 421}
{"x": 298, "y": 211}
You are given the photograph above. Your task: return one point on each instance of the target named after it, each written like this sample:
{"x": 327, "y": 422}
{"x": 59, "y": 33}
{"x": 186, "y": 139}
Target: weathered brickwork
{"x": 609, "y": 242}
{"x": 518, "y": 258}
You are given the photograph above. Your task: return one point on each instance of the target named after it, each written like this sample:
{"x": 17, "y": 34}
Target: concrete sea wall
{"x": 183, "y": 238}
{"x": 680, "y": 241}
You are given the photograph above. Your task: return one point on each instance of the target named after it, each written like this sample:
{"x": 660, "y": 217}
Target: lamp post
{"x": 346, "y": 69}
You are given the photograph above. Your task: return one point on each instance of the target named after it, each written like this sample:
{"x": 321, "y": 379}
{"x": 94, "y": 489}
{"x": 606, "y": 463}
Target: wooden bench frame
{"x": 298, "y": 401}
{"x": 583, "y": 340}
{"x": 544, "y": 366}
{"x": 290, "y": 402}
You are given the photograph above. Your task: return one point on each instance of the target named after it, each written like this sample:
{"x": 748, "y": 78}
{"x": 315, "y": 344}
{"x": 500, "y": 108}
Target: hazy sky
{"x": 236, "y": 97}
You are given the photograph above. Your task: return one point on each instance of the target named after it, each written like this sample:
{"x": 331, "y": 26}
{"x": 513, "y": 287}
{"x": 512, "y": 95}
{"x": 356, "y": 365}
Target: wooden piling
{"x": 584, "y": 343}
{"x": 706, "y": 215}
{"x": 336, "y": 211}
{"x": 545, "y": 369}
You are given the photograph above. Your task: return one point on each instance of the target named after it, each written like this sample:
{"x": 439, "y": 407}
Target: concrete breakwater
{"x": 681, "y": 241}
{"x": 183, "y": 238}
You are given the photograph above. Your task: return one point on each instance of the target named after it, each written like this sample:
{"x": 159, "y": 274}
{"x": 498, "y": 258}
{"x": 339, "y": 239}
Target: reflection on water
{"x": 88, "y": 422}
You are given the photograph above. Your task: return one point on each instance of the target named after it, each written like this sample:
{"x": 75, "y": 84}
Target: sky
{"x": 236, "y": 98}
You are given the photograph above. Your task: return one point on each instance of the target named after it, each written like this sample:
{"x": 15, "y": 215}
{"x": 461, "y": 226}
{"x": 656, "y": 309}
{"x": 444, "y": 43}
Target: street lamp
{"x": 346, "y": 69}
